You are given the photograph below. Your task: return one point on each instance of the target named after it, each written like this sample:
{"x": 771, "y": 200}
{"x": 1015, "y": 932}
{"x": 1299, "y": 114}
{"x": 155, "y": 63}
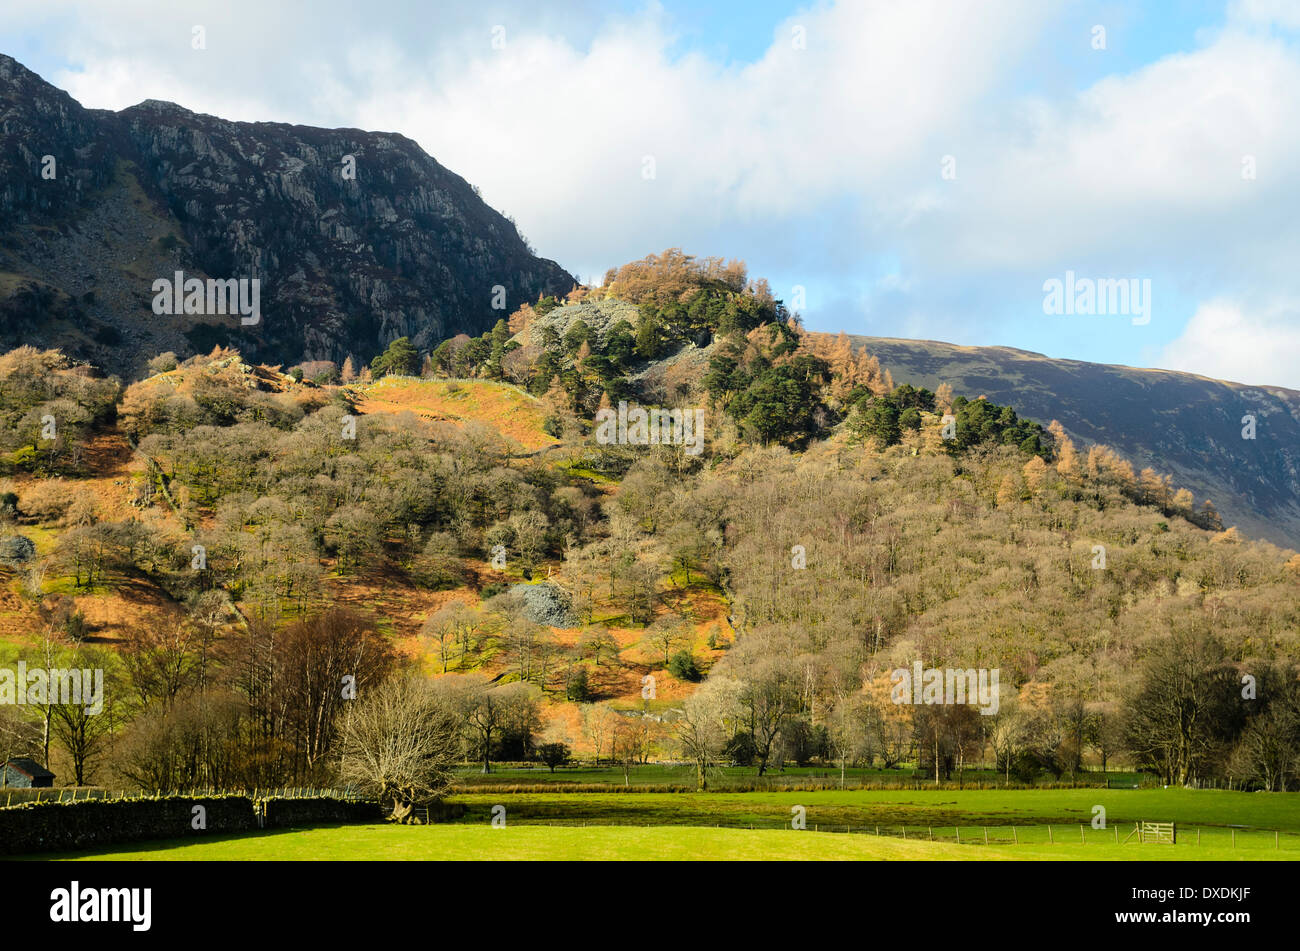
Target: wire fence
{"x": 1245, "y": 838}
{"x": 1235, "y": 837}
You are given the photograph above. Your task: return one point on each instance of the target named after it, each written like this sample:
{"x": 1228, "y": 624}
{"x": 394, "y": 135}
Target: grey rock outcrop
{"x": 347, "y": 262}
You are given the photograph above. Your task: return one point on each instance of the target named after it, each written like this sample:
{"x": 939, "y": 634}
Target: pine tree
{"x": 401, "y": 359}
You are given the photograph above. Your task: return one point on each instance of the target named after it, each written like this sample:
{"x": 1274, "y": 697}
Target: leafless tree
{"x": 707, "y": 722}
{"x": 399, "y": 745}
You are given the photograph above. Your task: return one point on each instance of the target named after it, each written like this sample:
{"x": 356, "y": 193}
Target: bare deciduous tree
{"x": 399, "y": 745}
{"x": 708, "y": 721}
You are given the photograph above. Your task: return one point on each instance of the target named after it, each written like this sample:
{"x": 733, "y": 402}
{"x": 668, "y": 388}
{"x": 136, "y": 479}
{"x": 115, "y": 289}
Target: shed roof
{"x": 30, "y": 767}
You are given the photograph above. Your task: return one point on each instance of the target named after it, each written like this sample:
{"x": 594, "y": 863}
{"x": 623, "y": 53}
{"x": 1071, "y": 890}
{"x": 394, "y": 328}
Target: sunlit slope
{"x": 509, "y": 410}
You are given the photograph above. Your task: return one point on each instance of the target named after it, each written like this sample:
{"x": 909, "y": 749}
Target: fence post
{"x": 957, "y": 829}
{"x": 1234, "y": 838}
{"x": 1050, "y": 840}
{"x": 930, "y": 829}
{"x": 986, "y": 835}
{"x": 1082, "y": 840}
{"x": 1015, "y": 836}
{"x": 1116, "y": 828}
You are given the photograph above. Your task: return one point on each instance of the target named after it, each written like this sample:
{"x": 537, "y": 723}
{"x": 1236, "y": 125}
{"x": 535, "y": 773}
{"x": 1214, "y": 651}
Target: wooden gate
{"x": 1160, "y": 832}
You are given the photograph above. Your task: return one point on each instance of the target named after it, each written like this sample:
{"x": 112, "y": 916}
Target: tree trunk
{"x": 402, "y": 812}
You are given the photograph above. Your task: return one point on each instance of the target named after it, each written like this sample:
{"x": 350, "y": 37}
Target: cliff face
{"x": 356, "y": 237}
{"x": 37, "y": 120}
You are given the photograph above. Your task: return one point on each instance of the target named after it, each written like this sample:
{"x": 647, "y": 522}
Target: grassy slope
{"x": 915, "y": 808}
{"x": 509, "y": 410}
{"x": 532, "y": 842}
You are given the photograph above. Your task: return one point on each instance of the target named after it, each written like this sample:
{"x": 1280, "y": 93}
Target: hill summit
{"x": 357, "y": 238}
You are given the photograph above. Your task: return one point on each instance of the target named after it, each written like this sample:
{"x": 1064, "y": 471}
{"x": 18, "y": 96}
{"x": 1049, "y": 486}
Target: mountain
{"x": 95, "y": 206}
{"x": 1177, "y": 423}
{"x": 357, "y": 238}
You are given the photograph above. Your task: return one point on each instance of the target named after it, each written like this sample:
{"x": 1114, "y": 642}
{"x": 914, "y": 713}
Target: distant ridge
{"x": 1179, "y": 423}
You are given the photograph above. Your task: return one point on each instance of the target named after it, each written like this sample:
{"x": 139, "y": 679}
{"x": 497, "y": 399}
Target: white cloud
{"x": 1229, "y": 340}
{"x": 558, "y": 135}
{"x": 821, "y": 163}
{"x": 1284, "y": 13}
{"x": 1139, "y": 171}
{"x": 554, "y": 129}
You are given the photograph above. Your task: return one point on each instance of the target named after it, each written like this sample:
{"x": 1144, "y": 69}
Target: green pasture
{"x": 1032, "y": 825}
{"x": 665, "y": 843}
{"x": 654, "y": 774}
{"x": 896, "y": 808}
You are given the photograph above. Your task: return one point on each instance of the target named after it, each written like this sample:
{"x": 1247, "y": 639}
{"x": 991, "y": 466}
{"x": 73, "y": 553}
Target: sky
{"x": 915, "y": 169}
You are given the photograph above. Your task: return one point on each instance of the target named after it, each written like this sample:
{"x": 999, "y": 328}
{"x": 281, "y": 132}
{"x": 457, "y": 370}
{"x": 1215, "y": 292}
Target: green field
{"x": 913, "y": 808}
{"x": 671, "y": 826}
{"x": 744, "y": 777}
{"x": 473, "y": 843}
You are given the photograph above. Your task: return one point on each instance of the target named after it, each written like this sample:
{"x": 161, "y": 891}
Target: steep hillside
{"x": 612, "y": 595}
{"x": 397, "y": 522}
{"x": 673, "y": 341}
{"x": 357, "y": 237}
{"x": 1186, "y": 425}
